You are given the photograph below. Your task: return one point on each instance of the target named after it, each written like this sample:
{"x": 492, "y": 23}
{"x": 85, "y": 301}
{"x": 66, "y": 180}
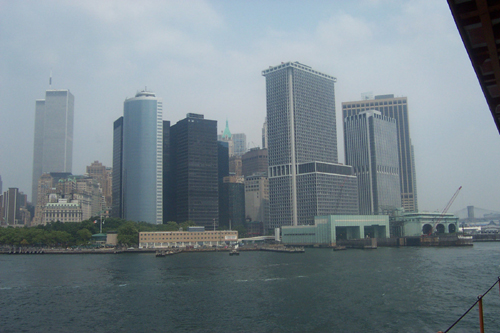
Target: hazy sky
{"x": 207, "y": 57}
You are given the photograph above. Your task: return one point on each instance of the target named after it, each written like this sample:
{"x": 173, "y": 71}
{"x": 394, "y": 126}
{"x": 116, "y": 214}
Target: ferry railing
{"x": 480, "y": 302}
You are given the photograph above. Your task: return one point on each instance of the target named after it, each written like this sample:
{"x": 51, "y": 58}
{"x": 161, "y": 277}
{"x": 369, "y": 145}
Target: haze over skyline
{"x": 207, "y": 57}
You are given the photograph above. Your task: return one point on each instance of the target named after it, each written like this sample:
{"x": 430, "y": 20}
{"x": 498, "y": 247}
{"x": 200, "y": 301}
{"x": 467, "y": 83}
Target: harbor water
{"x": 410, "y": 289}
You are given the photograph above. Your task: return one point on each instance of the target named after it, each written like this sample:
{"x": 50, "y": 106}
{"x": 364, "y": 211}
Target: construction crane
{"x": 446, "y": 208}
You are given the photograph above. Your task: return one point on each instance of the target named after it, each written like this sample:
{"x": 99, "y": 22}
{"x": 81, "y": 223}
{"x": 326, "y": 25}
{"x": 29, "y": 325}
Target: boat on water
{"x": 163, "y": 253}
{"x": 234, "y": 251}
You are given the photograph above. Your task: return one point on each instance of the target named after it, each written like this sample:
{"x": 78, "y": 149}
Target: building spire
{"x": 227, "y": 133}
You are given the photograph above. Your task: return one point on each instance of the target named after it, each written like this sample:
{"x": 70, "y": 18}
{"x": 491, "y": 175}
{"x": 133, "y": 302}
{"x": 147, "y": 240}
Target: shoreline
{"x": 39, "y": 251}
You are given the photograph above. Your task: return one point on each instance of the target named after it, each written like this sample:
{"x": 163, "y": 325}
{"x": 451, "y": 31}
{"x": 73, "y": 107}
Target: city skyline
{"x": 206, "y": 57}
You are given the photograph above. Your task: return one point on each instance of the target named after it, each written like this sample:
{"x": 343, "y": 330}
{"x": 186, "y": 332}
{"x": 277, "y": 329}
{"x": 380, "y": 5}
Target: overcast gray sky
{"x": 207, "y": 57}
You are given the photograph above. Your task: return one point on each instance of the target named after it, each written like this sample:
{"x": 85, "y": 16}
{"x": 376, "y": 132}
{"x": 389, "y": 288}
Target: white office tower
{"x": 305, "y": 179}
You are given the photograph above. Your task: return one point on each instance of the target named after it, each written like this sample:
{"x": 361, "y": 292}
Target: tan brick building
{"x": 160, "y": 239}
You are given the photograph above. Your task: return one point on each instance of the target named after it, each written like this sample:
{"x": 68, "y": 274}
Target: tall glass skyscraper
{"x": 141, "y": 159}
{"x": 397, "y": 108}
{"x": 305, "y": 179}
{"x": 53, "y": 144}
{"x": 372, "y": 150}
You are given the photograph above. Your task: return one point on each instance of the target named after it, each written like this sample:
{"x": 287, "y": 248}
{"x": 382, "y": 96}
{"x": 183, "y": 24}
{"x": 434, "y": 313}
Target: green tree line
{"x": 58, "y": 234}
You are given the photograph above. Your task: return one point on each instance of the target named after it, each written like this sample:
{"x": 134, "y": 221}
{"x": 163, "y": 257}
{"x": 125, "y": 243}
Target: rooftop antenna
{"x": 50, "y": 80}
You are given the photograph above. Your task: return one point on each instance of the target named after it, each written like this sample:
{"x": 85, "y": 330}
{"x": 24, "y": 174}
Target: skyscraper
{"x": 14, "y": 208}
{"x": 254, "y": 161}
{"x": 223, "y": 171}
{"x": 397, "y": 108}
{"x": 117, "y": 186}
{"x": 240, "y": 143}
{"x": 264, "y": 134}
{"x": 104, "y": 176}
{"x": 141, "y": 153}
{"x": 194, "y": 157}
{"x": 168, "y": 188}
{"x": 232, "y": 202}
{"x": 257, "y": 198}
{"x": 226, "y": 136}
{"x": 305, "y": 179}
{"x": 372, "y": 151}
{"x": 53, "y": 144}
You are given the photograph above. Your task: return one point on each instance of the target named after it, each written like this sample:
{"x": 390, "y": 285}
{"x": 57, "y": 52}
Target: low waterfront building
{"x": 328, "y": 229}
{"x": 191, "y": 237}
{"x": 422, "y": 223}
{"x": 112, "y": 238}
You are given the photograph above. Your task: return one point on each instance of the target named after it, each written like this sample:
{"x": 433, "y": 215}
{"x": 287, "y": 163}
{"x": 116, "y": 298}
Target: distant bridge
{"x": 478, "y": 212}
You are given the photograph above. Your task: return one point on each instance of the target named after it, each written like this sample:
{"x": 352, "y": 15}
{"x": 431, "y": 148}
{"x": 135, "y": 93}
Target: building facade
{"x": 169, "y": 211}
{"x": 235, "y": 165}
{"x": 264, "y": 134}
{"x": 67, "y": 198}
{"x": 302, "y": 147}
{"x": 257, "y": 198}
{"x": 141, "y": 157}
{"x": 416, "y": 224}
{"x": 240, "y": 143}
{"x": 232, "y": 204}
{"x": 53, "y": 144}
{"x": 372, "y": 151}
{"x": 62, "y": 211}
{"x": 397, "y": 108}
{"x": 117, "y": 182}
{"x": 14, "y": 208}
{"x": 104, "y": 175}
{"x": 164, "y": 239}
{"x": 254, "y": 161}
{"x": 327, "y": 230}
{"x": 194, "y": 159}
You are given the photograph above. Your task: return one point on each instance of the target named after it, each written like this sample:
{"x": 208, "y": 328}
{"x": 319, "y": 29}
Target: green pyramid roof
{"x": 227, "y": 132}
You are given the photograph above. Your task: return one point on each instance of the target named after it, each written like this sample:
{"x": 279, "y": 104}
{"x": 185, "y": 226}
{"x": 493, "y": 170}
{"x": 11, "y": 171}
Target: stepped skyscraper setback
{"x": 305, "y": 179}
{"x": 53, "y": 144}
{"x": 138, "y": 160}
